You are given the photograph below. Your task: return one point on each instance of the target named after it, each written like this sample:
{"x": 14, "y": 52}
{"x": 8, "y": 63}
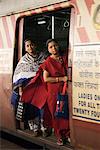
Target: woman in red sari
{"x": 54, "y": 75}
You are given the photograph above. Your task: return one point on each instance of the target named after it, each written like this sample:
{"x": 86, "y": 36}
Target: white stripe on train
{"x": 88, "y": 27}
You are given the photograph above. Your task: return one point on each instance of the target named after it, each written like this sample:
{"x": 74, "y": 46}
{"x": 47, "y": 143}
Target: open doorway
{"x": 41, "y": 27}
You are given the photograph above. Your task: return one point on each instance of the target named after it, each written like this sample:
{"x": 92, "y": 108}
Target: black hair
{"x": 29, "y": 39}
{"x": 53, "y": 40}
{"x": 49, "y": 41}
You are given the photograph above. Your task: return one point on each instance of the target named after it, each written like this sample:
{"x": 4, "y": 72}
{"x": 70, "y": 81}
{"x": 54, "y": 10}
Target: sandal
{"x": 47, "y": 132}
{"x": 60, "y": 142}
{"x": 66, "y": 140}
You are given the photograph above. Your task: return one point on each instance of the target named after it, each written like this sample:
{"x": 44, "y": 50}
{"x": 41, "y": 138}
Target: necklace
{"x": 58, "y": 59}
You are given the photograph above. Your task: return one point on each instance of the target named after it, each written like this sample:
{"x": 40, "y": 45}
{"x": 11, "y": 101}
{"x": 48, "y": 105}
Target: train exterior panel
{"x": 83, "y": 63}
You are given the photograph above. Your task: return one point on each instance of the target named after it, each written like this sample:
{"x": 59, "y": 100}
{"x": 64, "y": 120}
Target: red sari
{"x": 56, "y": 69}
{"x": 47, "y": 94}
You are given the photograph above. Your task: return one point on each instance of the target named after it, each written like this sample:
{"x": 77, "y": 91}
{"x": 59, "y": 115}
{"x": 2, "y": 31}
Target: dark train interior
{"x": 48, "y": 25}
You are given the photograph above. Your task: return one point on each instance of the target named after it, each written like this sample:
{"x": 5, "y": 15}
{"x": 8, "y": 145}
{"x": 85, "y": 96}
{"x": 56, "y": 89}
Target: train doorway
{"x": 40, "y": 28}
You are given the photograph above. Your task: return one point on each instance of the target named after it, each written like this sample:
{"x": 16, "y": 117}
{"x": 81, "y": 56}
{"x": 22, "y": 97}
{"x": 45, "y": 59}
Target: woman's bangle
{"x": 57, "y": 79}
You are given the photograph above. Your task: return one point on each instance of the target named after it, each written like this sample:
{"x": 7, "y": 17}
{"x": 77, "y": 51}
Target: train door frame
{"x": 70, "y": 37}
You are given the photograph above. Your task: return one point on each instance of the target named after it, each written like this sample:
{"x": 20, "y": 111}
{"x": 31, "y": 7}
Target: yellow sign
{"x": 86, "y": 83}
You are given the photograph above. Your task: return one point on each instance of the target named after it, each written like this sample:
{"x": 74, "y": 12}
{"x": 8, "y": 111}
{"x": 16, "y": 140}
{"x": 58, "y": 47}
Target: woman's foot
{"x": 66, "y": 140}
{"x": 60, "y": 142}
{"x": 37, "y": 133}
{"x": 31, "y": 124}
{"x": 47, "y": 132}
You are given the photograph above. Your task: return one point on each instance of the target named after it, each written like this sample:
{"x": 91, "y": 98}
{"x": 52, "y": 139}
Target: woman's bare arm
{"x": 47, "y": 78}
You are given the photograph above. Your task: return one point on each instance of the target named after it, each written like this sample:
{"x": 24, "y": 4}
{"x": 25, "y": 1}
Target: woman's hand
{"x": 53, "y": 79}
{"x": 20, "y": 90}
{"x": 65, "y": 78}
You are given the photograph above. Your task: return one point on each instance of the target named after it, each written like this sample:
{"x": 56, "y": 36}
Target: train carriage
{"x": 76, "y": 25}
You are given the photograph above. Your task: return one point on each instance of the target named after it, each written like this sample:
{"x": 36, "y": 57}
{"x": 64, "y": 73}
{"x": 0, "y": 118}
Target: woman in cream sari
{"x": 25, "y": 70}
